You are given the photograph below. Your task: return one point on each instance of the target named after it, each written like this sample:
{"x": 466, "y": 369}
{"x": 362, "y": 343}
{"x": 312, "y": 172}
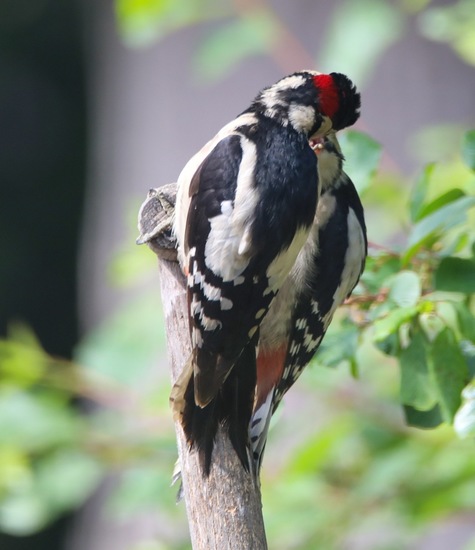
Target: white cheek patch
{"x": 302, "y": 117}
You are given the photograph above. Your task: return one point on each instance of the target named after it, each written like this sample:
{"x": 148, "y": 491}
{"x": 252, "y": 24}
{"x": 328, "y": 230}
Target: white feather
{"x": 184, "y": 179}
{"x": 227, "y": 250}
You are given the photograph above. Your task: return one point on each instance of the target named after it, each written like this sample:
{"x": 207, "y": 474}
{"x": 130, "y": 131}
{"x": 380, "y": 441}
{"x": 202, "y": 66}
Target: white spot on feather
{"x": 260, "y": 313}
{"x": 196, "y": 337}
{"x": 186, "y": 176}
{"x": 239, "y": 280}
{"x": 211, "y": 292}
{"x": 226, "y": 303}
{"x": 311, "y": 343}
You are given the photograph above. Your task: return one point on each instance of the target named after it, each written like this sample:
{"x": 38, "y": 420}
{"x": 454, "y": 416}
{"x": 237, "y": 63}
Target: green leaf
{"x": 419, "y": 192}
{"x": 222, "y": 50}
{"x": 437, "y": 223}
{"x": 22, "y": 514}
{"x": 35, "y": 422}
{"x": 464, "y": 421}
{"x": 446, "y": 198}
{"x": 141, "y": 22}
{"x": 362, "y": 154}
{"x": 468, "y": 149}
{"x": 317, "y": 450}
{"x": 351, "y": 25}
{"x": 455, "y": 275}
{"x": 66, "y": 478}
{"x": 20, "y": 364}
{"x": 466, "y": 321}
{"x": 383, "y": 328}
{"x": 144, "y": 487}
{"x": 405, "y": 288}
{"x": 15, "y": 470}
{"x": 449, "y": 370}
{"x": 389, "y": 345}
{"x": 378, "y": 269}
{"x": 338, "y": 346}
{"x": 423, "y": 419}
{"x": 417, "y": 388}
{"x": 131, "y": 266}
{"x": 22, "y": 359}
{"x": 468, "y": 351}
{"x": 125, "y": 346}
{"x": 452, "y": 23}
{"x": 440, "y": 142}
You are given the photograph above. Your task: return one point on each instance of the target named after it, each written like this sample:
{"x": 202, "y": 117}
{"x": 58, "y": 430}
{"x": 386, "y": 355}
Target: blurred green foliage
{"x": 407, "y": 335}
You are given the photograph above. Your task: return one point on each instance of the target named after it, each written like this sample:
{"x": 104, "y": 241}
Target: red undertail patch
{"x": 270, "y": 366}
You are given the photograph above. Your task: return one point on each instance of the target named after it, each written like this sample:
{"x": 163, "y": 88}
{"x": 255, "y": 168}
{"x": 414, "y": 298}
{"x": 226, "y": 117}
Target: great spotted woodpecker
{"x": 245, "y": 206}
{"x": 325, "y": 273}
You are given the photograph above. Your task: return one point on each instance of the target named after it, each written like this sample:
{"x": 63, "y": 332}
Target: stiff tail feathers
{"x": 231, "y": 407}
{"x": 238, "y": 401}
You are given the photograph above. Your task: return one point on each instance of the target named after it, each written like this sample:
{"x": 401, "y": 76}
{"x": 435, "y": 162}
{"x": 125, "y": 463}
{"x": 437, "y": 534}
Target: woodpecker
{"x": 245, "y": 205}
{"x": 325, "y": 273}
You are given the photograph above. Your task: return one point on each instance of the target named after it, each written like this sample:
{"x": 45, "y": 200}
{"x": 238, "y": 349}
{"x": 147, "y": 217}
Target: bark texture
{"x": 224, "y": 510}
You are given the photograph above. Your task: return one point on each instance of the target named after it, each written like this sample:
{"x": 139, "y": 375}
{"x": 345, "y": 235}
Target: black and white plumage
{"x": 245, "y": 205}
{"x": 324, "y": 275}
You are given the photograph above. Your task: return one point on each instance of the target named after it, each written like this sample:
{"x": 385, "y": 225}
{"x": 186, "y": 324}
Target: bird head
{"x": 312, "y": 102}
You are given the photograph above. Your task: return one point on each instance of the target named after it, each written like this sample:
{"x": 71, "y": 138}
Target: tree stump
{"x": 224, "y": 510}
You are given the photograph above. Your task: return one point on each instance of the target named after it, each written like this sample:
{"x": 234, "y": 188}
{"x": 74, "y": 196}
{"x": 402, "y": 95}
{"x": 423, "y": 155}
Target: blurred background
{"x": 100, "y": 102}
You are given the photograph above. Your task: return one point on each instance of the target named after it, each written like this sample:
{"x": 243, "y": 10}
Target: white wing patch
{"x": 184, "y": 179}
{"x": 353, "y": 259}
{"x": 229, "y": 241}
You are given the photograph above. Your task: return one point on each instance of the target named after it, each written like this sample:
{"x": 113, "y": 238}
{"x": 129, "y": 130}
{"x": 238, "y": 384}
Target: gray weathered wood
{"x": 224, "y": 510}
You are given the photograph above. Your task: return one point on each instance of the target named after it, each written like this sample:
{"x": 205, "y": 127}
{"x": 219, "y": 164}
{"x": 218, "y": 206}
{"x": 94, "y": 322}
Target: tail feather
{"x": 177, "y": 395}
{"x": 238, "y": 401}
{"x": 199, "y": 424}
{"x": 210, "y": 371}
{"x": 232, "y": 406}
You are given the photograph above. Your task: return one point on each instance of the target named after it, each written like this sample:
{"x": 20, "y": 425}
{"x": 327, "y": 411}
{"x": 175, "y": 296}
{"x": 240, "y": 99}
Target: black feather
{"x": 349, "y": 102}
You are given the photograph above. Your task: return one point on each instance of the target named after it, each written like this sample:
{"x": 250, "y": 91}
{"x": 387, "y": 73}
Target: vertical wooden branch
{"x": 224, "y": 511}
